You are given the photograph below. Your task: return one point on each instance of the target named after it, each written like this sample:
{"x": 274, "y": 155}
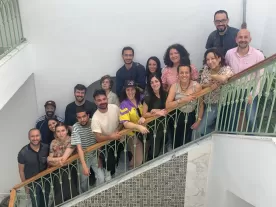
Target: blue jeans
{"x": 208, "y": 120}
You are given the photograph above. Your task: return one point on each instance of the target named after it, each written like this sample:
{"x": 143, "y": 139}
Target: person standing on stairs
{"x": 130, "y": 71}
{"x": 105, "y": 125}
{"x": 42, "y": 122}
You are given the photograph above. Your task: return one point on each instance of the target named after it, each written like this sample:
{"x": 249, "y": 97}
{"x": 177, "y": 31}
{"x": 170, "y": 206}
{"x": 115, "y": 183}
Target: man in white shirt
{"x": 105, "y": 125}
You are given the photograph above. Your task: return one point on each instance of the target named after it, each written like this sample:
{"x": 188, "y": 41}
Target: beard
{"x": 79, "y": 98}
{"x": 49, "y": 113}
{"x": 103, "y": 106}
{"x": 128, "y": 61}
{"x": 221, "y": 29}
{"x": 243, "y": 45}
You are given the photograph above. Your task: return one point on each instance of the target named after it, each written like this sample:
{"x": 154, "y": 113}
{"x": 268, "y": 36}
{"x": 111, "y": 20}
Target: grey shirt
{"x": 223, "y": 42}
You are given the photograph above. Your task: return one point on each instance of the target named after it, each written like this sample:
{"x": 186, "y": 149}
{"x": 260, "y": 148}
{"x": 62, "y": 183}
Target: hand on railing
{"x": 142, "y": 129}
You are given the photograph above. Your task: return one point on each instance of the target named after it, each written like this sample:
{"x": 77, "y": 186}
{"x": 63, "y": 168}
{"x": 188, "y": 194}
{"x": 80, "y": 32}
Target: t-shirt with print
{"x": 58, "y": 147}
{"x": 83, "y": 135}
{"x": 106, "y": 123}
{"x": 214, "y": 96}
{"x": 128, "y": 112}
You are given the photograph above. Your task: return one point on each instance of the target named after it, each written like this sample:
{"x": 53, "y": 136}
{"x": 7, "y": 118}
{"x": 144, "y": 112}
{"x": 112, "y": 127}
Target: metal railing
{"x": 11, "y": 33}
{"x": 65, "y": 180}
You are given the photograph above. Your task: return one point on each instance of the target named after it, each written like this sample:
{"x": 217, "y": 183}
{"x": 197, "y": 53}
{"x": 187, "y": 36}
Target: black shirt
{"x": 34, "y": 162}
{"x": 223, "y": 42}
{"x": 70, "y": 112}
{"x": 46, "y": 134}
{"x": 137, "y": 73}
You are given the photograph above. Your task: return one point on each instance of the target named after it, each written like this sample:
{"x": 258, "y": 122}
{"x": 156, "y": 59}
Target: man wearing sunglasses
{"x": 224, "y": 38}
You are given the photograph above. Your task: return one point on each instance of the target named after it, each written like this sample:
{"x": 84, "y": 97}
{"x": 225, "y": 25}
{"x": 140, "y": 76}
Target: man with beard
{"x": 130, "y": 71}
{"x": 42, "y": 122}
{"x": 224, "y": 37}
{"x": 105, "y": 125}
{"x": 32, "y": 159}
{"x": 239, "y": 59}
{"x": 70, "y": 112}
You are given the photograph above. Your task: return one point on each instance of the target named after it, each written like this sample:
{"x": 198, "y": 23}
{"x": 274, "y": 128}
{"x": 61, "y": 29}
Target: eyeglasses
{"x": 220, "y": 21}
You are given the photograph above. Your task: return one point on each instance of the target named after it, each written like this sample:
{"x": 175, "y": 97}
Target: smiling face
{"x": 34, "y": 137}
{"x": 243, "y": 38}
{"x": 130, "y": 92}
{"x": 155, "y": 84}
{"x": 128, "y": 56}
{"x": 50, "y": 110}
{"x": 184, "y": 74}
{"x": 52, "y": 124}
{"x": 82, "y": 118}
{"x": 174, "y": 56}
{"x": 61, "y": 132}
{"x": 221, "y": 22}
{"x": 212, "y": 60}
{"x": 101, "y": 101}
{"x": 152, "y": 66}
{"x": 79, "y": 95}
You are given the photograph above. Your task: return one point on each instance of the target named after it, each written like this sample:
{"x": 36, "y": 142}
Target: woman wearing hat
{"x": 131, "y": 117}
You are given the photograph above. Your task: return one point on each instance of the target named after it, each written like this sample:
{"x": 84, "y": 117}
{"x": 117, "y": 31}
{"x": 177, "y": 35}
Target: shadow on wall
{"x": 96, "y": 85}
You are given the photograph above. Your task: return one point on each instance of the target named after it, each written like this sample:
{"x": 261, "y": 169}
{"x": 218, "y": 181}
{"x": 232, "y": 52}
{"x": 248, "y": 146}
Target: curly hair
{"x": 123, "y": 95}
{"x": 217, "y": 54}
{"x": 158, "y": 70}
{"x": 184, "y": 55}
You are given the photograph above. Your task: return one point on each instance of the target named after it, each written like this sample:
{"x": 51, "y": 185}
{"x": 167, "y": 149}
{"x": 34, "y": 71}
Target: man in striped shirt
{"x": 82, "y": 138}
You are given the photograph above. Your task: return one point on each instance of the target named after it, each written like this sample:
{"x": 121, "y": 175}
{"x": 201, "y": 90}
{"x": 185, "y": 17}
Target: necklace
{"x": 184, "y": 89}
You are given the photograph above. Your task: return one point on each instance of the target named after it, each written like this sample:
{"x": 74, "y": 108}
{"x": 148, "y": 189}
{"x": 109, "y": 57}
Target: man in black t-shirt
{"x": 70, "y": 112}
{"x": 32, "y": 159}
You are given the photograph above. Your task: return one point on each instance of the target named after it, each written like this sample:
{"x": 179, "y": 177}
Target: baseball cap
{"x": 129, "y": 83}
{"x": 52, "y": 103}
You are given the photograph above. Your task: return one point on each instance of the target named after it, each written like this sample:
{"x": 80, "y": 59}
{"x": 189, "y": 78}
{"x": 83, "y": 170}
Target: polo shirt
{"x": 42, "y": 126}
{"x": 71, "y": 115}
{"x": 137, "y": 73}
{"x": 34, "y": 162}
{"x": 223, "y": 42}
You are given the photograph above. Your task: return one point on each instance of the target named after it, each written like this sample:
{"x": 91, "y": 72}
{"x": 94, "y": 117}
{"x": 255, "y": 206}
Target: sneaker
{"x": 169, "y": 147}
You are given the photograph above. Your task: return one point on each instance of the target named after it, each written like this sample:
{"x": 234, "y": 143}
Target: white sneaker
{"x": 107, "y": 176}
{"x": 169, "y": 147}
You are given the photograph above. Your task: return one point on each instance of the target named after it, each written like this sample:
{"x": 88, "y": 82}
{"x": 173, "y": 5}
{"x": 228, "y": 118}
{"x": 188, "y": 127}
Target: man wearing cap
{"x": 42, "y": 122}
{"x": 130, "y": 71}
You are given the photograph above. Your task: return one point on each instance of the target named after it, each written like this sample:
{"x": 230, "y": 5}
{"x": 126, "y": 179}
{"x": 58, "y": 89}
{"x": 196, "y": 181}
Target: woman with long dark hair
{"x": 154, "y": 105}
{"x": 174, "y": 56}
{"x": 214, "y": 74}
{"x": 153, "y": 66}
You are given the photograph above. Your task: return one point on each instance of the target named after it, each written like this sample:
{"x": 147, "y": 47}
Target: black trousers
{"x": 183, "y": 132}
{"x": 64, "y": 188}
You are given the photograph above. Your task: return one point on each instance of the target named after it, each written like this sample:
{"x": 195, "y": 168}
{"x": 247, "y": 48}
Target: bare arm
{"x": 82, "y": 160}
{"x": 53, "y": 161}
{"x": 21, "y": 172}
{"x": 101, "y": 138}
{"x": 220, "y": 78}
{"x": 170, "y": 102}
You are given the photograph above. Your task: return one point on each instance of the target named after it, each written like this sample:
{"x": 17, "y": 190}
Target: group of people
{"x": 141, "y": 93}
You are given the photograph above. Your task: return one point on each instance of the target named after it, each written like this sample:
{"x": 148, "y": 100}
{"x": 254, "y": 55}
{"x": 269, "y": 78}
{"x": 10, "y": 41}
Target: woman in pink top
{"x": 175, "y": 54}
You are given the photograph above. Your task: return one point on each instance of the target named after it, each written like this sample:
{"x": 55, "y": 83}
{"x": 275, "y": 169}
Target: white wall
{"x": 269, "y": 37}
{"x": 79, "y": 41}
{"x": 244, "y": 167}
{"x": 15, "y": 68}
{"x": 16, "y": 118}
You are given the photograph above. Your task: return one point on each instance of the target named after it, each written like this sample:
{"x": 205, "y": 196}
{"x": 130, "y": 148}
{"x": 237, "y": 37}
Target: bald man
{"x": 239, "y": 59}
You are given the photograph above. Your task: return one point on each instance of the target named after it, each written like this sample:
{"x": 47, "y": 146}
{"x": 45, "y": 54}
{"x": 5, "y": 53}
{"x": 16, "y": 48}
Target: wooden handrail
{"x": 253, "y": 68}
{"x": 96, "y": 146}
{"x": 12, "y": 198}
